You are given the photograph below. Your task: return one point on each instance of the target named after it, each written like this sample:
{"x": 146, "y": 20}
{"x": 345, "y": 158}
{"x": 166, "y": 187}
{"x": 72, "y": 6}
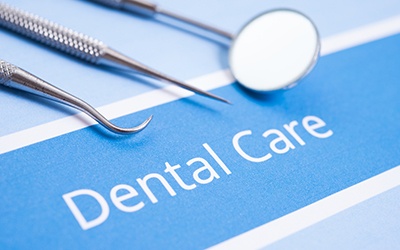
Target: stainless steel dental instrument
{"x": 150, "y": 9}
{"x": 79, "y": 45}
{"x": 15, "y": 77}
{"x": 272, "y": 51}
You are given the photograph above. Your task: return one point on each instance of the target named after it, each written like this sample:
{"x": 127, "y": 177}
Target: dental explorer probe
{"x": 15, "y": 77}
{"x": 79, "y": 45}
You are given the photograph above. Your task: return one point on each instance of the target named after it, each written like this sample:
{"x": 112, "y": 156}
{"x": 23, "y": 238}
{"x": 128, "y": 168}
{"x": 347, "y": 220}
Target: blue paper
{"x": 355, "y": 92}
{"x": 353, "y": 95}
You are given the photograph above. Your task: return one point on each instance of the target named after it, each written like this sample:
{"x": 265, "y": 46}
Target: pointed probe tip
{"x": 225, "y": 101}
{"x": 228, "y": 102}
{"x": 215, "y": 97}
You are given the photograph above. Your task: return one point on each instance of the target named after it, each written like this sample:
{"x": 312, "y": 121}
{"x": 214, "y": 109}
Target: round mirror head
{"x": 274, "y": 50}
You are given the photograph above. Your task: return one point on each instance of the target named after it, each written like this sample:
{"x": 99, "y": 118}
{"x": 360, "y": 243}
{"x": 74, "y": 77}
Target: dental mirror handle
{"x": 150, "y": 9}
{"x": 272, "y": 51}
{"x": 80, "y": 45}
{"x": 15, "y": 77}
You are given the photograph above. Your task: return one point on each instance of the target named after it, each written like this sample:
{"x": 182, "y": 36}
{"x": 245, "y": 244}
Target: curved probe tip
{"x": 140, "y": 127}
{"x": 120, "y": 130}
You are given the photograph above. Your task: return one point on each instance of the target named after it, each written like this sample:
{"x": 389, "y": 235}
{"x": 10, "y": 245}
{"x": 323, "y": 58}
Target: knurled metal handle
{"x": 51, "y": 34}
{"x": 7, "y": 70}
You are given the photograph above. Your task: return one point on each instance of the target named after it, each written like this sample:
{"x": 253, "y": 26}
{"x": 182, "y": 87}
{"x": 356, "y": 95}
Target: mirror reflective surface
{"x": 274, "y": 50}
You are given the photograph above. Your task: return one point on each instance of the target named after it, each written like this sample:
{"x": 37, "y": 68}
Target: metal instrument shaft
{"x": 15, "y": 77}
{"x": 80, "y": 45}
{"x": 151, "y": 9}
{"x": 272, "y": 51}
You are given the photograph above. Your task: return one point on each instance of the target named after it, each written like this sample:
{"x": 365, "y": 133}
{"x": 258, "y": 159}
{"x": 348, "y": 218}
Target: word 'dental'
{"x": 134, "y": 196}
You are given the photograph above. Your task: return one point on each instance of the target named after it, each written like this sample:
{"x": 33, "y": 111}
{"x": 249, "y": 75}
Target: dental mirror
{"x": 272, "y": 51}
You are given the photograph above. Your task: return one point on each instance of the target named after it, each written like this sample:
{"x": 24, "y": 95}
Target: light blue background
{"x": 355, "y": 91}
{"x": 156, "y": 44}
{"x": 372, "y": 224}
